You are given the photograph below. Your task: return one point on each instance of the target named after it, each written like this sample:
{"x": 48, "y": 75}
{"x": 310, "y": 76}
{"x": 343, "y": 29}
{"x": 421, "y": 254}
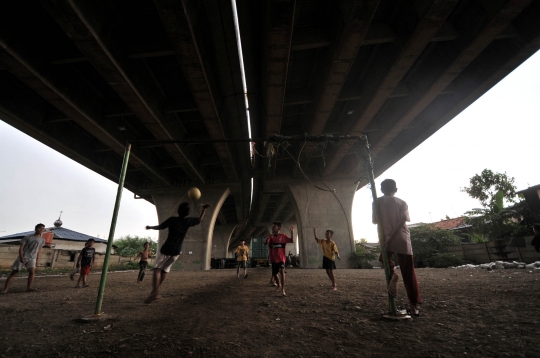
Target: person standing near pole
{"x": 276, "y": 243}
{"x": 394, "y": 213}
{"x": 86, "y": 261}
{"x": 242, "y": 257}
{"x": 28, "y": 257}
{"x": 330, "y": 251}
{"x": 169, "y": 252}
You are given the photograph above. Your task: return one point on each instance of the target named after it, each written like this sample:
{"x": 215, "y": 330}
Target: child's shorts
{"x": 85, "y": 270}
{"x": 165, "y": 262}
{"x": 18, "y": 265}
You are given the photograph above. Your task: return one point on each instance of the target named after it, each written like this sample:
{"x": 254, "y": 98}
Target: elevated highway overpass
{"x": 85, "y": 77}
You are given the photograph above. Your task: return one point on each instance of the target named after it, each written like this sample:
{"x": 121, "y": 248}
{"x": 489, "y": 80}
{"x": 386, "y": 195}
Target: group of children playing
{"x": 393, "y": 215}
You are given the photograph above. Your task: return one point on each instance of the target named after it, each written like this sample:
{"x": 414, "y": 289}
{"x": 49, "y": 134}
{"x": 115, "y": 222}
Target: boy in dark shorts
{"x": 77, "y": 267}
{"x": 86, "y": 260}
{"x": 276, "y": 243}
{"x": 143, "y": 264}
{"x": 330, "y": 251}
{"x": 169, "y": 252}
{"x": 242, "y": 257}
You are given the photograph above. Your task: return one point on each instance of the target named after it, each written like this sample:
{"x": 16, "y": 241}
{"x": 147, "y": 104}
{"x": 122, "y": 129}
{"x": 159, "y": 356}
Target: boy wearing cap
{"x": 330, "y": 251}
{"x": 394, "y": 213}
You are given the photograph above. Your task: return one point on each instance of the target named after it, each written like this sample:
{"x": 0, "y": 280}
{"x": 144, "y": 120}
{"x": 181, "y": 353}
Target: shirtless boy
{"x": 143, "y": 264}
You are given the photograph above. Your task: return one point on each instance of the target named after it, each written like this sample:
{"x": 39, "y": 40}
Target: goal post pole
{"x": 382, "y": 242}
{"x": 105, "y": 268}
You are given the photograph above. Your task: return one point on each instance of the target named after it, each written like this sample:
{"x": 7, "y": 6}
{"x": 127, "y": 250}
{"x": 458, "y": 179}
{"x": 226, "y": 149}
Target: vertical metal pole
{"x": 99, "y": 301}
{"x": 382, "y": 243}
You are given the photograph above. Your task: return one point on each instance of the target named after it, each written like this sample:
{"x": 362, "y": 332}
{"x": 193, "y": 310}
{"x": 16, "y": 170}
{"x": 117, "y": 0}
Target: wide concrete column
{"x": 323, "y": 210}
{"x": 197, "y": 247}
{"x": 221, "y": 239}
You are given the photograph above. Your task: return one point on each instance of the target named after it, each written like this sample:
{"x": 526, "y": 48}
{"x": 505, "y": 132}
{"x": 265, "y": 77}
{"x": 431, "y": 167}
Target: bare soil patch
{"x": 472, "y": 313}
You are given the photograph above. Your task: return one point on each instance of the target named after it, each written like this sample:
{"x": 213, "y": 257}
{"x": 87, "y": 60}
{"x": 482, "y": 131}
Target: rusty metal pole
{"x": 391, "y": 302}
{"x": 105, "y": 268}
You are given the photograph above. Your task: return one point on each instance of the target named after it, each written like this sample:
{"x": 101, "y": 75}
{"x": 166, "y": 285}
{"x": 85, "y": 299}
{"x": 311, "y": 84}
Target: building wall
{"x": 54, "y": 258}
{"x": 487, "y": 252}
{"x": 77, "y": 245}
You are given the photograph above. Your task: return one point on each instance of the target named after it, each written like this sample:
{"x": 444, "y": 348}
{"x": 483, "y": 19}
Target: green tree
{"x": 491, "y": 188}
{"x": 428, "y": 243}
{"x": 129, "y": 246}
{"x": 494, "y": 220}
{"x": 363, "y": 255}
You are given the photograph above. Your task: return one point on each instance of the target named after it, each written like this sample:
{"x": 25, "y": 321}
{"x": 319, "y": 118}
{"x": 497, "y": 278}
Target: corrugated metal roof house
{"x": 64, "y": 239}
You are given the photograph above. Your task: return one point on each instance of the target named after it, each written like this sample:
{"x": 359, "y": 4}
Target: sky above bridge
{"x": 500, "y": 131}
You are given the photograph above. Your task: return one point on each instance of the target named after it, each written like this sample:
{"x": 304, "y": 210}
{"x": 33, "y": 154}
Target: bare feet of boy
{"x": 151, "y": 299}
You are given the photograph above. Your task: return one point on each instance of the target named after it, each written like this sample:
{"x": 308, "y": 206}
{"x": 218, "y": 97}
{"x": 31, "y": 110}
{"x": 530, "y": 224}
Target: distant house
{"x": 65, "y": 247}
{"x": 532, "y": 197}
{"x": 64, "y": 239}
{"x": 458, "y": 225}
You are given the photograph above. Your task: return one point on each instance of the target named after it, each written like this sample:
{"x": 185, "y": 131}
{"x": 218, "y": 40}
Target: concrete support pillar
{"x": 221, "y": 239}
{"x": 197, "y": 247}
{"x": 323, "y": 210}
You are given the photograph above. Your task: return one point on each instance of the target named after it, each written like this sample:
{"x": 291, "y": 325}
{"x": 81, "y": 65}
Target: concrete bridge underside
{"x": 85, "y": 77}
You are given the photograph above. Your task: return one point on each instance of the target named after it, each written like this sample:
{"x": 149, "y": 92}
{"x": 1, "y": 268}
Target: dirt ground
{"x": 472, "y": 313}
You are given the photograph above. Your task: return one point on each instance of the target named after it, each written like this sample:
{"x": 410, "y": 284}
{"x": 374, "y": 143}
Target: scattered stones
{"x": 499, "y": 265}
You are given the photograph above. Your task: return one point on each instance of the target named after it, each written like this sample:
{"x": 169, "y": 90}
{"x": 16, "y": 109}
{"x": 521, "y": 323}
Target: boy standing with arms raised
{"x": 28, "y": 257}
{"x": 171, "y": 248}
{"x": 394, "y": 213}
{"x": 276, "y": 243}
{"x": 330, "y": 251}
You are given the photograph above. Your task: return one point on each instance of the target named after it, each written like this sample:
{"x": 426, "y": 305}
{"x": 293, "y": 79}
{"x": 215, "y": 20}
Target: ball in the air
{"x": 194, "y": 193}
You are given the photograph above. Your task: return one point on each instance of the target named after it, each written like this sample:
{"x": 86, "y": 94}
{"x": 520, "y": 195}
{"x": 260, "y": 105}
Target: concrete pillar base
{"x": 315, "y": 208}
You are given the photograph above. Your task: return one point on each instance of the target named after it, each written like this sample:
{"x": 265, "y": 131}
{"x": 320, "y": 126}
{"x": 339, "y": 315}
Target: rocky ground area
{"x": 471, "y": 313}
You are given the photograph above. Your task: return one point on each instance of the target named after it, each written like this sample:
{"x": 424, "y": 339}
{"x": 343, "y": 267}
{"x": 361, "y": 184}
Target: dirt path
{"x": 472, "y": 313}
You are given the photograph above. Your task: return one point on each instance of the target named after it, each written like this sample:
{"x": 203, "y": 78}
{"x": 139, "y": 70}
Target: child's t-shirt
{"x": 87, "y": 254}
{"x": 242, "y": 253}
{"x": 329, "y": 248}
{"x": 277, "y": 244}
{"x": 392, "y": 211}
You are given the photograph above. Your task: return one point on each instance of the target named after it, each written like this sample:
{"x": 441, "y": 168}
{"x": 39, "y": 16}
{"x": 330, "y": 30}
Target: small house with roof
{"x": 64, "y": 250}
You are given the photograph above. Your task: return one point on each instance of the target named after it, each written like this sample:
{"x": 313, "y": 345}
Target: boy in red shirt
{"x": 276, "y": 243}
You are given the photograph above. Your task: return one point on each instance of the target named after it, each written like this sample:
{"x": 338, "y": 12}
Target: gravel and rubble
{"x": 499, "y": 265}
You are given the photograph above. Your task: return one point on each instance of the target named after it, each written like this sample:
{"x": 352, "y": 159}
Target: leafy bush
{"x": 362, "y": 256}
{"x": 443, "y": 260}
{"x": 129, "y": 246}
{"x": 428, "y": 241}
